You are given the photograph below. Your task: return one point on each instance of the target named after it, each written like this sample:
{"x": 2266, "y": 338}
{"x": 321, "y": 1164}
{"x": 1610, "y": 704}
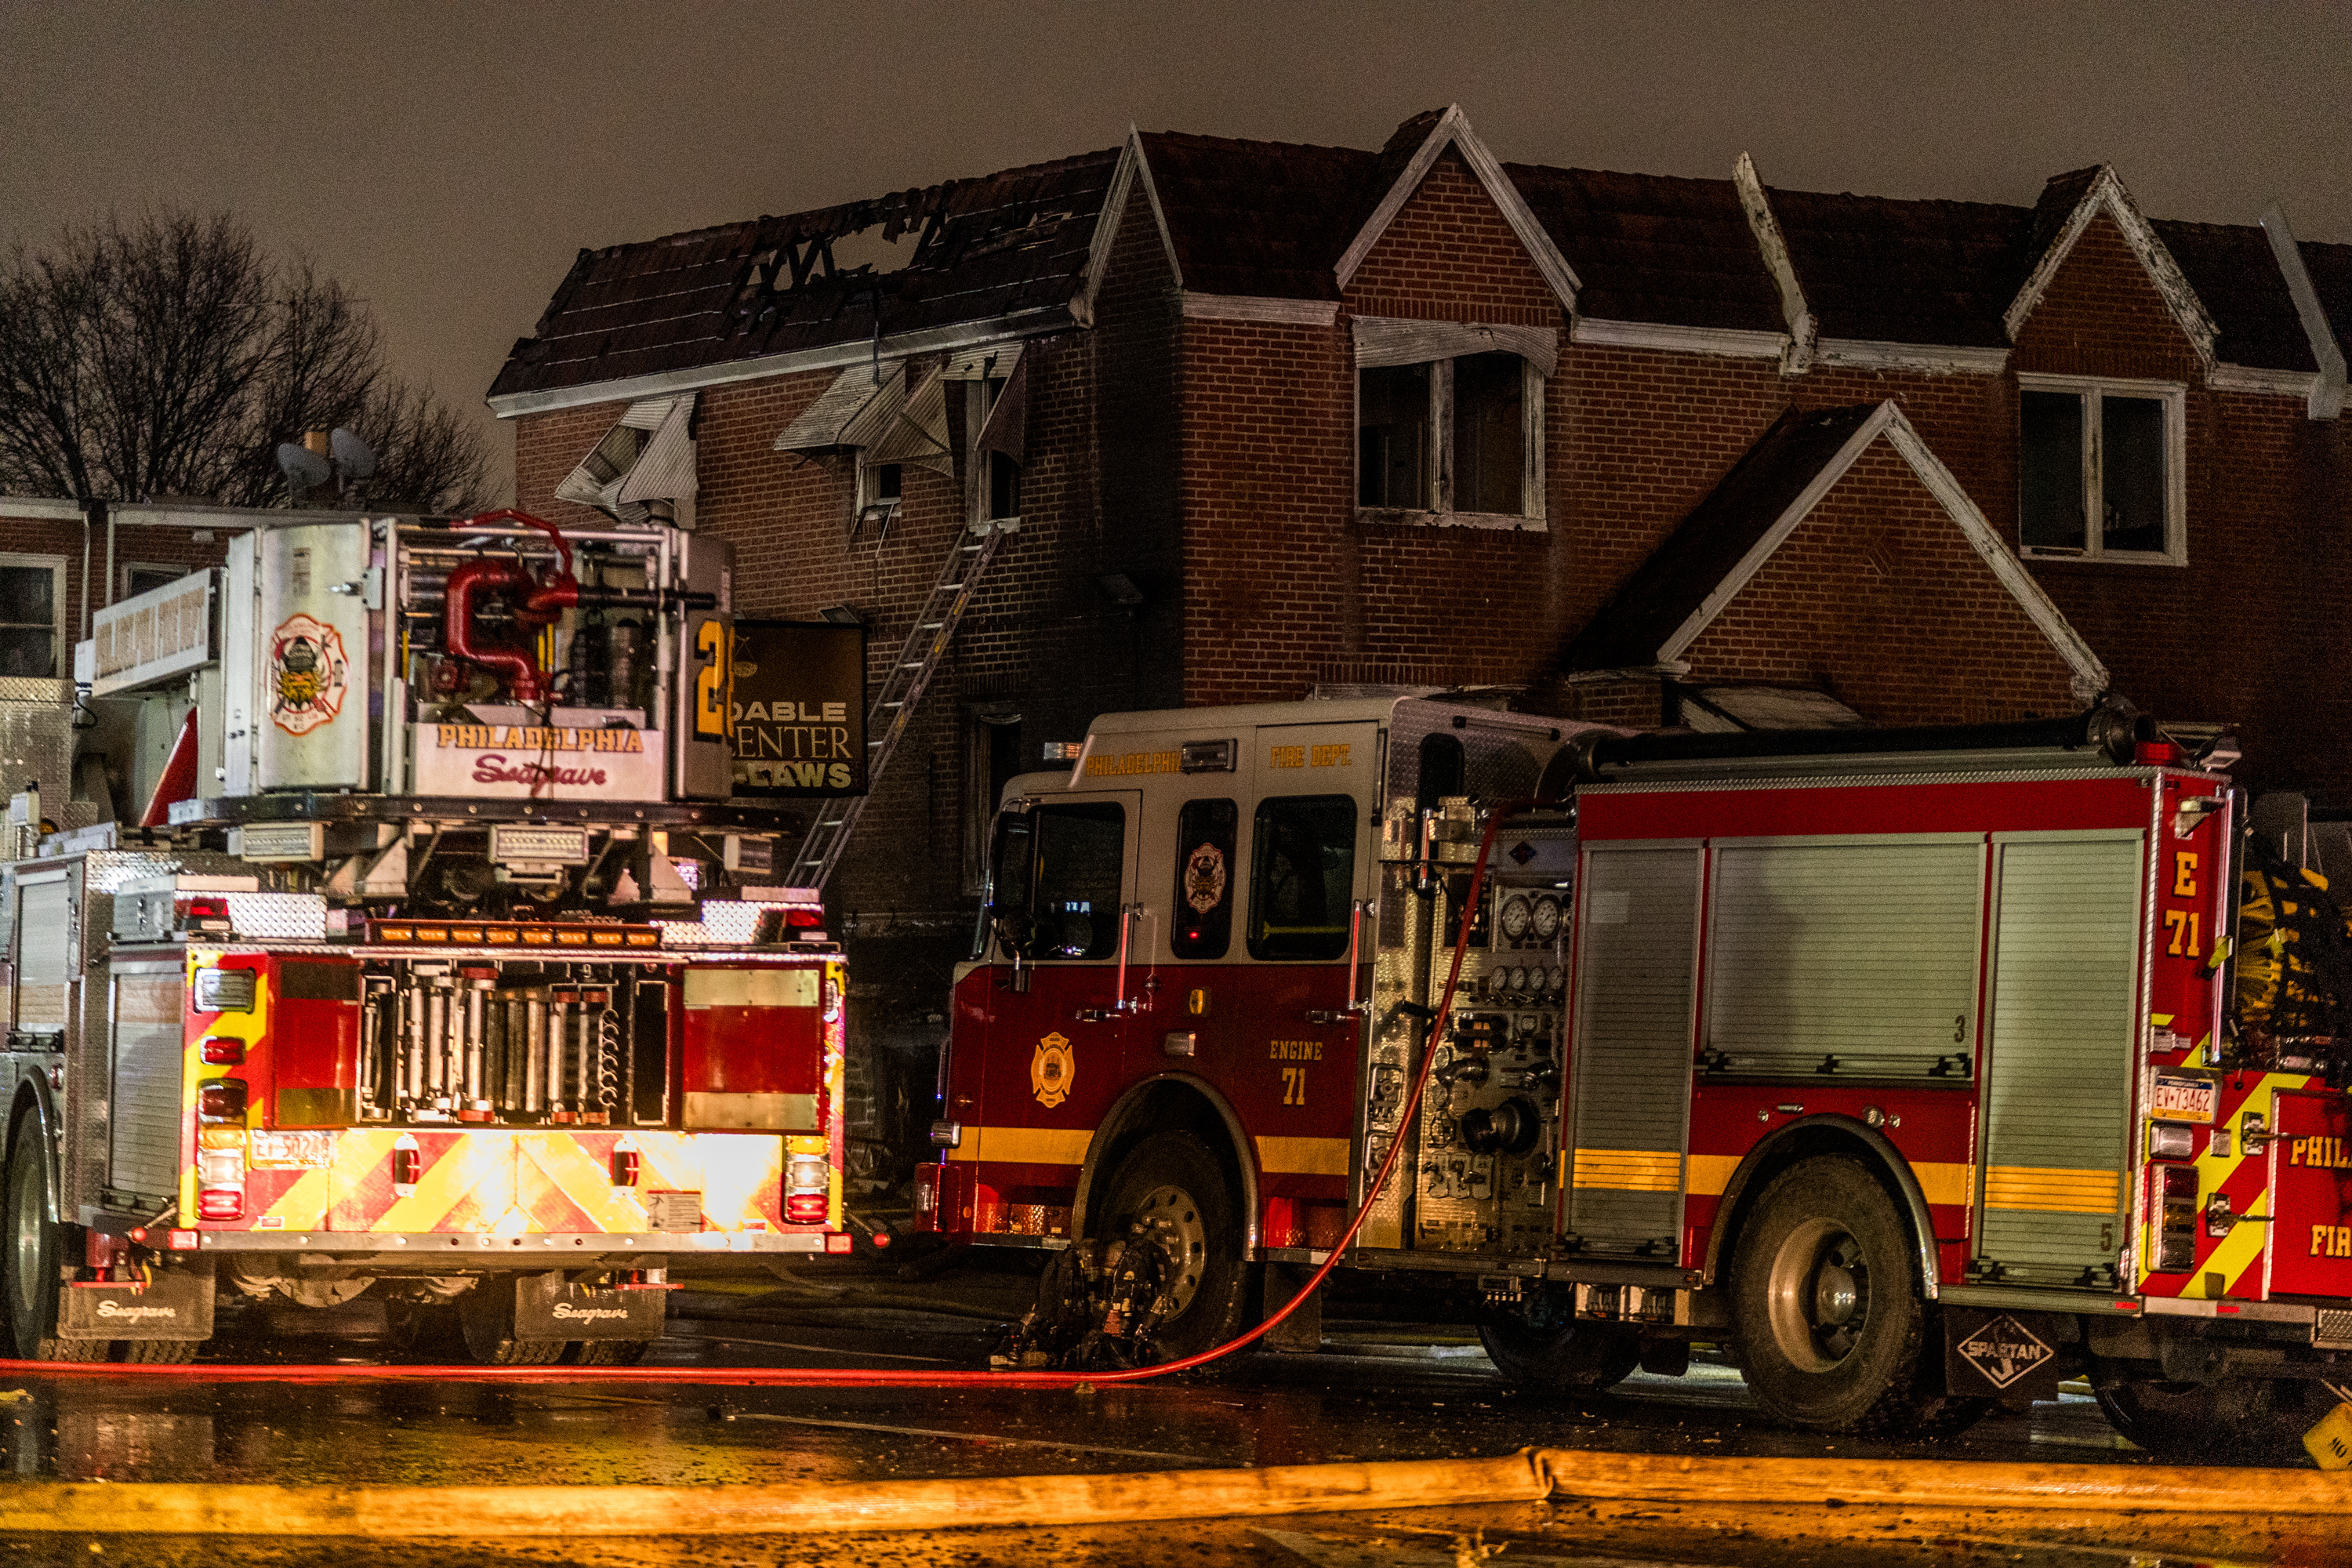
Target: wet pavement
{"x": 1375, "y": 1392}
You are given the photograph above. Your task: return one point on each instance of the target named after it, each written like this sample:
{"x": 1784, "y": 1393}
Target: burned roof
{"x": 1883, "y": 270}
{"x": 1653, "y": 248}
{"x": 982, "y": 248}
{"x": 1664, "y": 590}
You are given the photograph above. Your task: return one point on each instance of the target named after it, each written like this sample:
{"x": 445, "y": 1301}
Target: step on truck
{"x": 1911, "y": 1069}
{"x": 440, "y": 971}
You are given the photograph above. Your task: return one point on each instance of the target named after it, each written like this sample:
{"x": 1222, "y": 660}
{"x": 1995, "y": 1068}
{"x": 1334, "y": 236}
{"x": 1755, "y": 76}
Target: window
{"x": 1302, "y": 876}
{"x": 991, "y": 760}
{"x": 1057, "y": 889}
{"x": 138, "y": 576}
{"x": 1450, "y": 419}
{"x": 879, "y": 488}
{"x": 1203, "y": 903}
{"x": 2099, "y": 470}
{"x": 32, "y": 591}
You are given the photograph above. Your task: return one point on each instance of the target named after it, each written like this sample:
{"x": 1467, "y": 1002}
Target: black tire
{"x": 606, "y": 1353}
{"x": 32, "y": 1248}
{"x": 486, "y": 1322}
{"x": 1173, "y": 1183}
{"x": 1573, "y": 1357}
{"x": 157, "y": 1352}
{"x": 1833, "y": 1333}
{"x": 2261, "y": 1420}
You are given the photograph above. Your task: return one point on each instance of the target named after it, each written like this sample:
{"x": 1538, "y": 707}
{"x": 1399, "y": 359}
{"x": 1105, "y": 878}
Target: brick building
{"x": 1274, "y": 420}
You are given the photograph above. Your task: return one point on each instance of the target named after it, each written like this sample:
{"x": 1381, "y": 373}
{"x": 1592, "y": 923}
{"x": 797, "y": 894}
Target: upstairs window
{"x": 2099, "y": 470}
{"x": 1448, "y": 435}
{"x": 32, "y": 591}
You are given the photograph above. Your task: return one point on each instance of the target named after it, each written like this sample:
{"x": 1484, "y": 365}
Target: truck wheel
{"x": 157, "y": 1352}
{"x": 1175, "y": 1187}
{"x": 2257, "y": 1419}
{"x": 606, "y": 1353}
{"x": 30, "y": 1260}
{"x": 1575, "y": 1358}
{"x": 1833, "y": 1333}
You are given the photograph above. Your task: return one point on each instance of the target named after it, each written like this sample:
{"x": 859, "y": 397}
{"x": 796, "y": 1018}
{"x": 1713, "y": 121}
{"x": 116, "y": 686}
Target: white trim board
{"x": 1453, "y": 128}
{"x": 1107, "y": 226}
{"x": 2108, "y": 194}
{"x": 2325, "y": 399}
{"x": 1730, "y": 343}
{"x": 1803, "y": 326}
{"x": 2090, "y": 675}
{"x": 1259, "y": 308}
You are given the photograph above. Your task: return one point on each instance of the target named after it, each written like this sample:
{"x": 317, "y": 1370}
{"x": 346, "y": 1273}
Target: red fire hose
{"x": 838, "y": 1377}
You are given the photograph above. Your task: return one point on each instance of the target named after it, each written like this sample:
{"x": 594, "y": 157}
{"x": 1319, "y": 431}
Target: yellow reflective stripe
{"x": 1303, "y": 1156}
{"x": 1024, "y": 1145}
{"x": 303, "y": 1206}
{"x": 1629, "y": 1170}
{"x": 1943, "y": 1184}
{"x": 1709, "y": 1175}
{"x": 480, "y": 1168}
{"x": 584, "y": 1181}
{"x": 2049, "y": 1189}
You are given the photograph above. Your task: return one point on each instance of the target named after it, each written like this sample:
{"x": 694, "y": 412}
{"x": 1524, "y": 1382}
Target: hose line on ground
{"x": 858, "y": 1377}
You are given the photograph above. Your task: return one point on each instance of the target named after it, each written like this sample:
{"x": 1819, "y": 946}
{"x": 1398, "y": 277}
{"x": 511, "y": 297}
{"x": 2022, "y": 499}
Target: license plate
{"x": 2184, "y": 1098}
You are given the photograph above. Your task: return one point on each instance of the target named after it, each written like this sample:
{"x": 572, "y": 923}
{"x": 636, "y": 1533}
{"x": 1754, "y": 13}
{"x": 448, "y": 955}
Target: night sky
{"x": 447, "y": 161}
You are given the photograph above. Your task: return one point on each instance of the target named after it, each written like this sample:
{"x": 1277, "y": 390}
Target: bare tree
{"x": 172, "y": 356}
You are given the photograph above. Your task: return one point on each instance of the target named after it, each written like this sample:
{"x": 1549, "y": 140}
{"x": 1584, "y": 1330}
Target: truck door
{"x": 1052, "y": 1064}
{"x": 1630, "y": 1060}
{"x": 2058, "y": 1055}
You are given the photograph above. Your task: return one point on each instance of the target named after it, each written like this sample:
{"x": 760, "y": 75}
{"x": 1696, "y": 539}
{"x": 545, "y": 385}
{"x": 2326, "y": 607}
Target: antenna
{"x": 354, "y": 456}
{"x": 304, "y": 470}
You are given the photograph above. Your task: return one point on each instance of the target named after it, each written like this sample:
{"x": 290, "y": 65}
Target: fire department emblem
{"x": 307, "y": 675}
{"x": 1204, "y": 879}
{"x": 1051, "y": 1071}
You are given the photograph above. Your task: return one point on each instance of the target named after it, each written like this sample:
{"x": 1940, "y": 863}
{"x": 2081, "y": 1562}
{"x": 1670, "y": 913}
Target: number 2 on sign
{"x": 1294, "y": 1085}
{"x": 2183, "y": 924}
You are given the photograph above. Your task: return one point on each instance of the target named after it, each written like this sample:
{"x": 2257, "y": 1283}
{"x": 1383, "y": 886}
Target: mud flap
{"x": 1301, "y": 1333}
{"x": 547, "y": 1307}
{"x": 2008, "y": 1356}
{"x": 175, "y": 1304}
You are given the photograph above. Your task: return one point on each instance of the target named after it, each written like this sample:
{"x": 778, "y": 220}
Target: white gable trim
{"x": 1803, "y": 328}
{"x": 1731, "y": 342}
{"x": 2108, "y": 194}
{"x": 1159, "y": 213}
{"x": 1107, "y": 226}
{"x": 1453, "y": 128}
{"x": 2302, "y": 383}
{"x": 2326, "y": 396}
{"x": 2091, "y": 677}
{"x": 1863, "y": 353}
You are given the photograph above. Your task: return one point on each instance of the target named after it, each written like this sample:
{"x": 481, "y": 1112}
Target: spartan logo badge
{"x": 1051, "y": 1071}
{"x": 2004, "y": 1351}
{"x": 307, "y": 675}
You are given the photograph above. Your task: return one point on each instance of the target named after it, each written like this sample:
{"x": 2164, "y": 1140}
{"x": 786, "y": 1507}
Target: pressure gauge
{"x": 1519, "y": 977}
{"x": 1516, "y": 916}
{"x": 1546, "y": 917}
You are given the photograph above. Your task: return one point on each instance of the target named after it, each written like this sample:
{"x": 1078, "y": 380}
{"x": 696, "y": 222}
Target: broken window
{"x": 996, "y": 411}
{"x": 2099, "y": 470}
{"x": 646, "y": 456}
{"x": 1450, "y": 419}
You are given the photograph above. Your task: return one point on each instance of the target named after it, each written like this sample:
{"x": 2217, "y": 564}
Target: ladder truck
{"x": 1908, "y": 1067}
{"x": 439, "y": 970}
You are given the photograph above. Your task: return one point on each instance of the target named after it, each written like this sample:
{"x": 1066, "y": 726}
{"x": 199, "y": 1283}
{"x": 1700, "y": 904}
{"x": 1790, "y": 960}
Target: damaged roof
{"x": 982, "y": 249}
{"x": 1668, "y": 587}
{"x": 1272, "y": 220}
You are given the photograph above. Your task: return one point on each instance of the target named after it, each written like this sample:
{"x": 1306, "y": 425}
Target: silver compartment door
{"x": 1864, "y": 951}
{"x": 45, "y": 953}
{"x": 1630, "y": 1063}
{"x": 147, "y": 1064}
{"x": 2059, "y": 1056}
{"x": 309, "y": 652}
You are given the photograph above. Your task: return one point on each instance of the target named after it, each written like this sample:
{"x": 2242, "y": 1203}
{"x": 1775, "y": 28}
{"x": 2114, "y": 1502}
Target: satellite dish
{"x": 354, "y": 456}
{"x": 304, "y": 470}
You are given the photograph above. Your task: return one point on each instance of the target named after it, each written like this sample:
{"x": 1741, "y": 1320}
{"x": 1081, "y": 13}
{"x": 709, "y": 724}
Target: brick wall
{"x": 145, "y": 545}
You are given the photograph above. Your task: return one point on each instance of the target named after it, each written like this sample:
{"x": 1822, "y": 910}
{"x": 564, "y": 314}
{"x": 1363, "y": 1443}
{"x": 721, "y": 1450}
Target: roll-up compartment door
{"x": 1846, "y": 958}
{"x": 1630, "y": 1067}
{"x": 45, "y": 959}
{"x": 148, "y": 1051}
{"x": 2059, "y": 1056}
{"x": 755, "y": 1049}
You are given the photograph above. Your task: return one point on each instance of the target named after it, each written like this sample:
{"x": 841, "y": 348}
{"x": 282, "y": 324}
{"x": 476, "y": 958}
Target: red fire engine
{"x": 441, "y": 971}
{"x": 1900, "y": 1064}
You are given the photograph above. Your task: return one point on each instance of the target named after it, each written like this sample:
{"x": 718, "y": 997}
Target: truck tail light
{"x": 220, "y": 1183}
{"x": 221, "y": 1051}
{"x": 808, "y": 1187}
{"x": 407, "y": 1164}
{"x": 625, "y": 1165}
{"x": 805, "y": 919}
{"x": 2176, "y": 1218}
{"x": 221, "y": 1100}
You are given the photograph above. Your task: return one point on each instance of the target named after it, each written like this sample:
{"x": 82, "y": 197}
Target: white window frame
{"x": 1438, "y": 509}
{"x": 2091, "y": 389}
{"x": 60, "y": 661}
{"x": 980, "y": 463}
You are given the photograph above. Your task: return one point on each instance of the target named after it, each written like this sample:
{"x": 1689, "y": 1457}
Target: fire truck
{"x": 439, "y": 970}
{"x": 1905, "y": 1066}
